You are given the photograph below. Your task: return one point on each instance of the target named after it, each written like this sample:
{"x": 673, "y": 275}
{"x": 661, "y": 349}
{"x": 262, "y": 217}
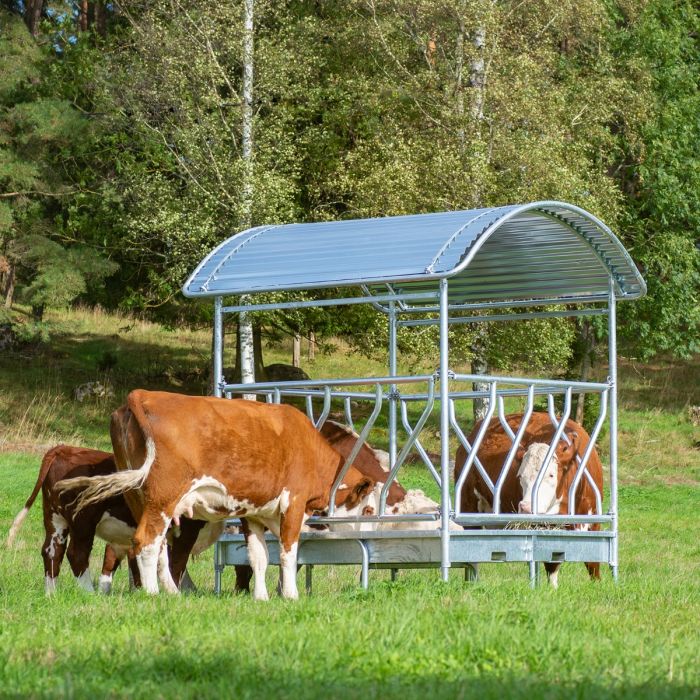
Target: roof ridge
{"x": 445, "y": 246}
{"x": 262, "y": 229}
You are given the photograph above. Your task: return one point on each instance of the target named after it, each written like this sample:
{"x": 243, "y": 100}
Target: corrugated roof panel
{"x": 539, "y": 250}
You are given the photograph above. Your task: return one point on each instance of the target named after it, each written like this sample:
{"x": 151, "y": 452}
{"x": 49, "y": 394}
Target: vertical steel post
{"x": 444, "y": 431}
{"x": 612, "y": 364}
{"x": 218, "y": 346}
{"x": 392, "y": 389}
{"x": 218, "y": 568}
{"x": 309, "y": 578}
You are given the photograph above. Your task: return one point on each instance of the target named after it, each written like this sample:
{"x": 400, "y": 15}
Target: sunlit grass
{"x": 418, "y": 636}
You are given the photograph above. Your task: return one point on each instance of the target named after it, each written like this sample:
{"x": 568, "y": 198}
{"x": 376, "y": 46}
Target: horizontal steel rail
{"x": 459, "y": 320}
{"x": 495, "y": 518}
{"x": 591, "y": 299}
{"x": 405, "y": 518}
{"x": 315, "y": 303}
{"x": 577, "y": 386}
{"x": 315, "y": 383}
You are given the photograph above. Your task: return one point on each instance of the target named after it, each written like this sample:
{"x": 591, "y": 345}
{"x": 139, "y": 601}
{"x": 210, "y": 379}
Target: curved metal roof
{"x": 541, "y": 250}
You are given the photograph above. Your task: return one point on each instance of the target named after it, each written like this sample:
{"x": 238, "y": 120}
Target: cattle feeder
{"x": 539, "y": 260}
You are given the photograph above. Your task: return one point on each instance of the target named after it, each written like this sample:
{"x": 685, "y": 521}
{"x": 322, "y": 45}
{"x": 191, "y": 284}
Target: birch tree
{"x": 246, "y": 349}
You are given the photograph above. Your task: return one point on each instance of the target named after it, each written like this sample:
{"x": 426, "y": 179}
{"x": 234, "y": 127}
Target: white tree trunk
{"x": 477, "y": 81}
{"x": 296, "y": 350}
{"x": 312, "y": 346}
{"x": 245, "y": 324}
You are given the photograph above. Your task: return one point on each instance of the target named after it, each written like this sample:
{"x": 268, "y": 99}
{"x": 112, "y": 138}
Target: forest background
{"x": 122, "y": 158}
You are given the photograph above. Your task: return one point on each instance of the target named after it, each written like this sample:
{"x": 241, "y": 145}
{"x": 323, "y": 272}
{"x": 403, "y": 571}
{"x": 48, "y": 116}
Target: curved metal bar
{"x": 407, "y": 446}
{"x": 514, "y": 448}
{"x": 419, "y": 448}
{"x": 348, "y": 413}
{"x": 475, "y": 447}
{"x": 553, "y": 446}
{"x": 465, "y": 443}
{"x": 502, "y": 418}
{"x": 583, "y": 462}
{"x": 378, "y": 396}
{"x": 326, "y": 408}
{"x": 310, "y": 408}
{"x": 278, "y": 396}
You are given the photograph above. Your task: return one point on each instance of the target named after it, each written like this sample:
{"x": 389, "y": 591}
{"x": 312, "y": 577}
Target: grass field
{"x": 416, "y": 637}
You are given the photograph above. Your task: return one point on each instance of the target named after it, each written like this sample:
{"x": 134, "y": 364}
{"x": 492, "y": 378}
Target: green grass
{"x": 418, "y": 636}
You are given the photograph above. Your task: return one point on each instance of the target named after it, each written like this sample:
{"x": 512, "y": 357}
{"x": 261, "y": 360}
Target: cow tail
{"x": 46, "y": 463}
{"x": 99, "y": 488}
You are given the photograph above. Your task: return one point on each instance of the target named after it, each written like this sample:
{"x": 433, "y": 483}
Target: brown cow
{"x": 516, "y": 493}
{"x": 111, "y": 520}
{"x": 213, "y": 459}
{"x": 374, "y": 464}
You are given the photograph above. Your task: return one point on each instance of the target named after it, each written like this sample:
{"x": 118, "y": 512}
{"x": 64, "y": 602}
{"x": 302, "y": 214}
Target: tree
{"x": 37, "y": 129}
{"x": 659, "y": 168}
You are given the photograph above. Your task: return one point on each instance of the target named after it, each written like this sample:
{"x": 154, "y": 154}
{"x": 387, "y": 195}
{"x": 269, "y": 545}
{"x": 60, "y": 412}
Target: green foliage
{"x": 361, "y": 109}
{"x": 38, "y": 130}
{"x": 663, "y": 217}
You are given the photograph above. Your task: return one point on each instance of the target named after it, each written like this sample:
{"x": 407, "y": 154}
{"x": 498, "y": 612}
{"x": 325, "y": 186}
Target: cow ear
{"x": 359, "y": 491}
{"x": 570, "y": 451}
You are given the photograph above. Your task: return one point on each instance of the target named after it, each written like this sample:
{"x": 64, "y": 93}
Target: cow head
{"x": 354, "y": 494}
{"x": 531, "y": 461}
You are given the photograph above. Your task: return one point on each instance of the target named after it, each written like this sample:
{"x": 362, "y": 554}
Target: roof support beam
{"x": 456, "y": 320}
{"x": 418, "y": 296}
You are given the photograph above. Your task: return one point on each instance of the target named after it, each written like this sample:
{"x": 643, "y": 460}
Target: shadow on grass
{"x": 233, "y": 673}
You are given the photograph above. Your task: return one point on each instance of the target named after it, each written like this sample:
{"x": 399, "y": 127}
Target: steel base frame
{"x": 422, "y": 550}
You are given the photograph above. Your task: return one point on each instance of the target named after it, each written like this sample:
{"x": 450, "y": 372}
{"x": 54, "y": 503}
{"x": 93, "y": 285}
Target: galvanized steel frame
{"x": 510, "y": 545}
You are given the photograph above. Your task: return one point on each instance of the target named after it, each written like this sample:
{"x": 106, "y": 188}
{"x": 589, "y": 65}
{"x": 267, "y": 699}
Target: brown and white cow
{"x": 516, "y": 493}
{"x": 111, "y": 520}
{"x": 375, "y": 464}
{"x": 212, "y": 459}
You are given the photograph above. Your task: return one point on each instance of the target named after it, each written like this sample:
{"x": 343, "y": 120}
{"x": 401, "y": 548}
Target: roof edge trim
{"x": 542, "y": 207}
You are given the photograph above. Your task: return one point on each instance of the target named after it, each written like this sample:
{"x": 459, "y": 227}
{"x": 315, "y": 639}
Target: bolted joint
{"x": 450, "y": 374}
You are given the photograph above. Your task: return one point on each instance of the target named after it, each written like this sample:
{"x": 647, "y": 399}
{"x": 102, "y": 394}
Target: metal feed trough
{"x": 514, "y": 263}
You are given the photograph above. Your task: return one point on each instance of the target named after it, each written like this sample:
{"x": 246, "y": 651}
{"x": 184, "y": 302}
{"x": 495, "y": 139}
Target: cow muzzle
{"x": 524, "y": 507}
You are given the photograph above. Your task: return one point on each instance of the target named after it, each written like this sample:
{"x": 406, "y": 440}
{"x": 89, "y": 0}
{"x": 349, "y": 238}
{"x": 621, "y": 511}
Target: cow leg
{"x": 134, "y": 573}
{"x": 243, "y": 576}
{"x": 148, "y": 541}
{"x": 552, "y": 569}
{"x": 594, "y": 566}
{"x": 290, "y": 528}
{"x": 79, "y": 549}
{"x": 164, "y": 576}
{"x": 110, "y": 564}
{"x": 593, "y": 570}
{"x": 53, "y": 549}
{"x": 257, "y": 556}
{"x": 181, "y": 548}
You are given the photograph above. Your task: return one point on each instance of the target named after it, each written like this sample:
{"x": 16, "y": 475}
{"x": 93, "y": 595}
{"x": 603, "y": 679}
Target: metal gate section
{"x": 546, "y": 259}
